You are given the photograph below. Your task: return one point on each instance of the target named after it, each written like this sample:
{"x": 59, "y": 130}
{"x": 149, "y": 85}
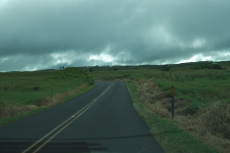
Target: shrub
{"x": 165, "y": 69}
{"x": 71, "y": 73}
{"x": 36, "y": 88}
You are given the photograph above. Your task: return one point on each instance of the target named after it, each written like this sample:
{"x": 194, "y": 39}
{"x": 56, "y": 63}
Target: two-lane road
{"x": 100, "y": 120}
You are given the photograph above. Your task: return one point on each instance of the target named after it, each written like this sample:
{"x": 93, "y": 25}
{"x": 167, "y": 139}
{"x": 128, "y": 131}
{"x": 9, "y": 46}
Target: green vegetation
{"x": 22, "y": 92}
{"x": 202, "y": 88}
{"x": 202, "y": 102}
{"x": 168, "y": 134}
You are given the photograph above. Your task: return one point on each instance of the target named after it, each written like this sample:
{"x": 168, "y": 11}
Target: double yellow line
{"x": 65, "y": 124}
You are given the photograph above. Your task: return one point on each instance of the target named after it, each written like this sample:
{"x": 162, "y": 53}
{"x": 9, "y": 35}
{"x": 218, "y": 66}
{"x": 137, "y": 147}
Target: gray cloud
{"x": 39, "y": 34}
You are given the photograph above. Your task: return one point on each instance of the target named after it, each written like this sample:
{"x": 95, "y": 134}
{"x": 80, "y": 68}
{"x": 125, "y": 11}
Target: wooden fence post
{"x": 172, "y": 100}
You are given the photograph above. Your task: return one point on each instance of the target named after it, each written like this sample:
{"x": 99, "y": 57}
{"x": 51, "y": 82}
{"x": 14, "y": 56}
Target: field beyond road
{"x": 202, "y": 102}
{"x": 23, "y": 93}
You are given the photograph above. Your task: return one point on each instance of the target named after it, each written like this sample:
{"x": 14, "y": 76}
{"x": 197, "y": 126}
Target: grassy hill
{"x": 22, "y": 92}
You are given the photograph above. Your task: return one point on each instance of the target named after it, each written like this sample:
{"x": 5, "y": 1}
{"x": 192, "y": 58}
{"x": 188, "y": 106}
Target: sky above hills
{"x": 44, "y": 34}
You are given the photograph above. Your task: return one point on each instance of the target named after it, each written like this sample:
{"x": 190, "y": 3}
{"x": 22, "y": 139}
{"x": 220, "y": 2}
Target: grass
{"x": 119, "y": 74}
{"x": 26, "y": 88}
{"x": 200, "y": 89}
{"x": 7, "y": 120}
{"x": 168, "y": 134}
{"x": 24, "y": 93}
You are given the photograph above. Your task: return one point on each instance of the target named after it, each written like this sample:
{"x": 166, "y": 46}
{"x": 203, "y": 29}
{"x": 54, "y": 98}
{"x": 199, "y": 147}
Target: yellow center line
{"x": 53, "y": 130}
{"x": 79, "y": 113}
{"x": 61, "y": 129}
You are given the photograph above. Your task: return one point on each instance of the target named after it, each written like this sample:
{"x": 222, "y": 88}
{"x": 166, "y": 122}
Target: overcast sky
{"x": 43, "y": 34}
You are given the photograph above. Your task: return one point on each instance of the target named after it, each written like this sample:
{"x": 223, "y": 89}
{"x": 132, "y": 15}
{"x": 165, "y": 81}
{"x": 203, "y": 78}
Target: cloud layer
{"x": 39, "y": 34}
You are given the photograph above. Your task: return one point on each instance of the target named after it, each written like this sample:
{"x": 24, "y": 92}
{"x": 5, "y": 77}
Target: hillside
{"x": 23, "y": 92}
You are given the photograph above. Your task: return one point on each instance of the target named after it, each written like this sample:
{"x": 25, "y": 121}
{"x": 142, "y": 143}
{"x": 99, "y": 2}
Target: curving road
{"x": 99, "y": 121}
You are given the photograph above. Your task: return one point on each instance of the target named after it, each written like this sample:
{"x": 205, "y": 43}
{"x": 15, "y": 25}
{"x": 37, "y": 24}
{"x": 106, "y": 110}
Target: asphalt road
{"x": 100, "y": 120}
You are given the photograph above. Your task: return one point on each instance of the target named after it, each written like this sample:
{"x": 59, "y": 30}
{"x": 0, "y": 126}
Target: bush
{"x": 165, "y": 69}
{"x": 71, "y": 73}
{"x": 36, "y": 88}
{"x": 194, "y": 106}
{"x": 216, "y": 66}
{"x": 74, "y": 73}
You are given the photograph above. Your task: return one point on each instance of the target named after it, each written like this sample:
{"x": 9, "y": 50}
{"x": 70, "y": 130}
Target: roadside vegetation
{"x": 24, "y": 93}
{"x": 171, "y": 137}
{"x": 202, "y": 103}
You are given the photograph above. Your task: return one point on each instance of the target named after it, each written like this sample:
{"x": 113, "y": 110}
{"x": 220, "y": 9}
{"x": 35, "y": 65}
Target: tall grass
{"x": 170, "y": 136}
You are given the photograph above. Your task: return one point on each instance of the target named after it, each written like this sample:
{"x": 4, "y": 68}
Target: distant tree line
{"x": 206, "y": 66}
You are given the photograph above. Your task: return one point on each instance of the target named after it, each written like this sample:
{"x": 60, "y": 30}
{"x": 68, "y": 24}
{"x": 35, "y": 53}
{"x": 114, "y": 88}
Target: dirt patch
{"x": 211, "y": 124}
{"x": 7, "y": 110}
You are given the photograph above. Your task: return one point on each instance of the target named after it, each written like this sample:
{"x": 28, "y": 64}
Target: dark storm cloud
{"x": 40, "y": 34}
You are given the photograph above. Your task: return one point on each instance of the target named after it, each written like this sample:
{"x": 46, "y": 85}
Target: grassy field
{"x": 23, "y": 93}
{"x": 202, "y": 103}
{"x": 200, "y": 87}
